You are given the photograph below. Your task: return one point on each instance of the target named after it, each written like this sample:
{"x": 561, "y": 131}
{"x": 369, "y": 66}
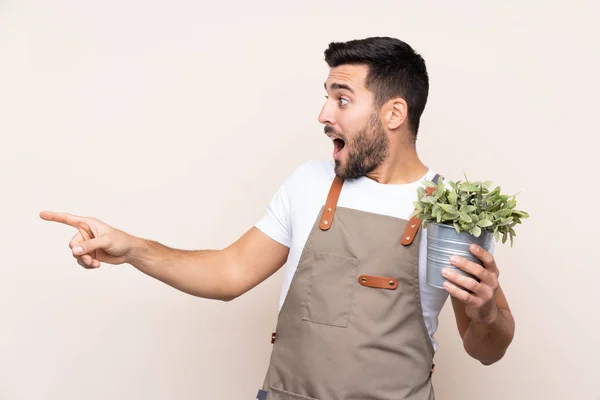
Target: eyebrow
{"x": 335, "y": 86}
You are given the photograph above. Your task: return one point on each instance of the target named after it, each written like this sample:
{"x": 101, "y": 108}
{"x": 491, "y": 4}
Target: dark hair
{"x": 395, "y": 70}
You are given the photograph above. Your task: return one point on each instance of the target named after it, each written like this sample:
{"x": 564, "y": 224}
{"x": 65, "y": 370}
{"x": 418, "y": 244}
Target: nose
{"x": 326, "y": 115}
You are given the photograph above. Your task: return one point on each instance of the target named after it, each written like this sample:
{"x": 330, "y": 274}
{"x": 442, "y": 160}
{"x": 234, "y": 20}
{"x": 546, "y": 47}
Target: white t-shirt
{"x": 294, "y": 208}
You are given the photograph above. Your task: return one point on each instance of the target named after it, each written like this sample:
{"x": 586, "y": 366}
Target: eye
{"x": 342, "y": 100}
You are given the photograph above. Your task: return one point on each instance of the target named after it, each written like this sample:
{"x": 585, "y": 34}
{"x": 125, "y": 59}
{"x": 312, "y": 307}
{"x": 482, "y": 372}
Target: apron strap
{"x": 331, "y": 203}
{"x": 413, "y": 225}
{"x": 334, "y": 194}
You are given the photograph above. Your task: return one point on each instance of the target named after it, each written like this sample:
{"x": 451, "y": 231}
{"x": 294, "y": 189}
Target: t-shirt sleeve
{"x": 276, "y": 221}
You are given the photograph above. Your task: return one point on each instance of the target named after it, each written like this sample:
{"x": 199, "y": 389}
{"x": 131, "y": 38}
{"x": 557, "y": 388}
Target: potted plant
{"x": 459, "y": 213}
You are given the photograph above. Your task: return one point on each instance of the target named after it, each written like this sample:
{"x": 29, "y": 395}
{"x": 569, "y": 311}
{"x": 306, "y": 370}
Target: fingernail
{"x": 454, "y": 259}
{"x": 445, "y": 272}
{"x": 78, "y": 250}
{"x": 474, "y": 248}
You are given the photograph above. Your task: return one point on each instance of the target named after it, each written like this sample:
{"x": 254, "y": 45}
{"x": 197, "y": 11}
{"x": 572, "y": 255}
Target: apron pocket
{"x": 280, "y": 394}
{"x": 330, "y": 290}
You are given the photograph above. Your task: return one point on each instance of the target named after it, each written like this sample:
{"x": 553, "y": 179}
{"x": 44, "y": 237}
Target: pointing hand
{"x": 95, "y": 241}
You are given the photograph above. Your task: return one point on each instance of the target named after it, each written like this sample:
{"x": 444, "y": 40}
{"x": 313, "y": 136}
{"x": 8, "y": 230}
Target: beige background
{"x": 177, "y": 121}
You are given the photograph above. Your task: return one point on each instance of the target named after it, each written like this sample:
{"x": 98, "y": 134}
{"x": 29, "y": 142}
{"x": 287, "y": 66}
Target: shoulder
{"x": 315, "y": 168}
{"x": 309, "y": 174}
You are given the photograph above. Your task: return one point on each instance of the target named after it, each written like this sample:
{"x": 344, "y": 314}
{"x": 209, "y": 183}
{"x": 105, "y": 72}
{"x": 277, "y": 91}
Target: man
{"x": 356, "y": 318}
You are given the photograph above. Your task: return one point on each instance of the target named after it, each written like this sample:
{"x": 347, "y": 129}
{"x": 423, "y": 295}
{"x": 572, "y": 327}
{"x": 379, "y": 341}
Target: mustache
{"x": 329, "y": 129}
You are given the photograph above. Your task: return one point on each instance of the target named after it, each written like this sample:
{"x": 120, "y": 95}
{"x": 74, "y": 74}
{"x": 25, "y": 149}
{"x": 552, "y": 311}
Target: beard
{"x": 368, "y": 148}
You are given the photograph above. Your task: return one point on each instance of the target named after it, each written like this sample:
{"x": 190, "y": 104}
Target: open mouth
{"x": 338, "y": 145}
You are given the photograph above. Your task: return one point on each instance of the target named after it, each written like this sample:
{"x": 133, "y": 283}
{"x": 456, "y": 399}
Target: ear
{"x": 396, "y": 113}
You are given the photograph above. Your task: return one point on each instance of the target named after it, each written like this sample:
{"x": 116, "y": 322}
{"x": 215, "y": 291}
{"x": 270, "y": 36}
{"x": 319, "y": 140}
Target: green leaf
{"x": 450, "y": 217}
{"x": 464, "y": 217}
{"x": 448, "y": 208}
{"x": 469, "y": 188}
{"x": 520, "y": 214}
{"x": 457, "y": 227}
{"x": 484, "y": 223}
{"x": 452, "y": 198}
{"x": 495, "y": 205}
{"x": 468, "y": 209}
{"x": 429, "y": 184}
{"x": 440, "y": 186}
{"x": 503, "y": 213}
{"x": 504, "y": 237}
{"x": 418, "y": 205}
{"x": 505, "y": 222}
{"x": 466, "y": 226}
{"x": 475, "y": 231}
{"x": 487, "y": 184}
{"x": 427, "y": 199}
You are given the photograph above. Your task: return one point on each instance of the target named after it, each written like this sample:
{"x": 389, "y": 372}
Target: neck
{"x": 401, "y": 167}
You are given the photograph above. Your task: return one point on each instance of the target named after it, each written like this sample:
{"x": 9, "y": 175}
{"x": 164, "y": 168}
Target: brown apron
{"x": 351, "y": 325}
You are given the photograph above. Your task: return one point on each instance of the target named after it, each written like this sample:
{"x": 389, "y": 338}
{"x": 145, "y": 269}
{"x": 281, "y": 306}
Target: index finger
{"x": 486, "y": 257}
{"x": 63, "y": 218}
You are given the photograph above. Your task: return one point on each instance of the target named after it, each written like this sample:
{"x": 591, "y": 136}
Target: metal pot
{"x": 443, "y": 242}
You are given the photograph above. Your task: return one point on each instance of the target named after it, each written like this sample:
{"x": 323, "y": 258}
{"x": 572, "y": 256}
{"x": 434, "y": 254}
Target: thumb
{"x": 89, "y": 246}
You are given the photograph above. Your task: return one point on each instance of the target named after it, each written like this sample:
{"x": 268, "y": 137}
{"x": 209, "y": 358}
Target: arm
{"x": 483, "y": 317}
{"x": 215, "y": 274}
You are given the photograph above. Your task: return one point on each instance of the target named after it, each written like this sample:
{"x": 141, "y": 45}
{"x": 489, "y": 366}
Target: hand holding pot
{"x": 479, "y": 297}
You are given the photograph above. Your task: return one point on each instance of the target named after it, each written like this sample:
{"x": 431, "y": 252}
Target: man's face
{"x": 360, "y": 143}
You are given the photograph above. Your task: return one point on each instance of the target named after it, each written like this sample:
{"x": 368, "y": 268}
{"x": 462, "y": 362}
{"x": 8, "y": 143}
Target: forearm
{"x": 488, "y": 342}
{"x": 202, "y": 273}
